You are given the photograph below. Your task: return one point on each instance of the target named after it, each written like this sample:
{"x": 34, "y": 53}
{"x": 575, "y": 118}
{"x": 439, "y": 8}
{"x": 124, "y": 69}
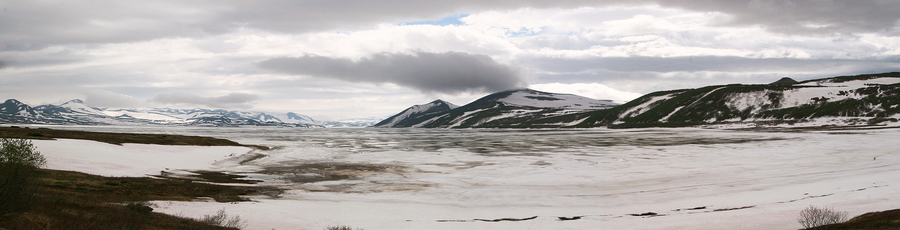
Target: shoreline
{"x": 118, "y": 138}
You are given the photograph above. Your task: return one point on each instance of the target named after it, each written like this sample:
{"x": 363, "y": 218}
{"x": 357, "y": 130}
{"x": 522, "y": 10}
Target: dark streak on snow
{"x": 508, "y": 219}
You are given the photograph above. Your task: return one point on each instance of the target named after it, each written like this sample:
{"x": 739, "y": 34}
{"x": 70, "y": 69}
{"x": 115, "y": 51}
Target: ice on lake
{"x": 486, "y": 179}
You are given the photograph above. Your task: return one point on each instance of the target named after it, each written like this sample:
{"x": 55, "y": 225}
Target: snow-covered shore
{"x": 446, "y": 179}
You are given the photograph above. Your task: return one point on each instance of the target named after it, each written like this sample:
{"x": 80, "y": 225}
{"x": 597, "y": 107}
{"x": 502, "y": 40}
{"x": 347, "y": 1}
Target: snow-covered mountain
{"x": 76, "y": 112}
{"x": 512, "y": 108}
{"x": 415, "y": 114}
{"x": 842, "y": 101}
{"x": 17, "y": 108}
{"x": 15, "y": 111}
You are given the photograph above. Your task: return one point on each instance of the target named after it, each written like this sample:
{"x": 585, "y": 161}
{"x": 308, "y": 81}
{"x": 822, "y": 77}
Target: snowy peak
{"x": 15, "y": 107}
{"x": 414, "y": 114}
{"x": 442, "y": 103}
{"x": 507, "y": 109}
{"x": 78, "y": 106}
{"x": 299, "y": 118}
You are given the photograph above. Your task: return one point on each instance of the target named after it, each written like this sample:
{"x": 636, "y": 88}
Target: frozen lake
{"x": 463, "y": 179}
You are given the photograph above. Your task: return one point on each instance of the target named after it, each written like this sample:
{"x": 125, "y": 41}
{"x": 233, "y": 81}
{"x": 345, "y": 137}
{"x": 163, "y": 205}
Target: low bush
{"x": 140, "y": 207}
{"x": 814, "y": 217}
{"x": 221, "y": 219}
{"x": 19, "y": 162}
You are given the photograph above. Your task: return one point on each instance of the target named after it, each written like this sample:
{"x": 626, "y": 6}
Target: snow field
{"x": 755, "y": 180}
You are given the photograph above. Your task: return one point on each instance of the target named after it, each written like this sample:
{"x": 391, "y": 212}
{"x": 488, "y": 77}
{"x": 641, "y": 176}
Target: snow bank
{"x": 132, "y": 160}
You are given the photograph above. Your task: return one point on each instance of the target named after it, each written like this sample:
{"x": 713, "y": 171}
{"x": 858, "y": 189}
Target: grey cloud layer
{"x": 31, "y": 25}
{"x": 450, "y": 72}
{"x": 713, "y": 64}
{"x": 803, "y": 16}
{"x": 232, "y": 100}
{"x": 36, "y": 24}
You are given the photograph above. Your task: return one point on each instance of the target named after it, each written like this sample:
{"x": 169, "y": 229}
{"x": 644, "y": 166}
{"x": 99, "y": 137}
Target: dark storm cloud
{"x": 232, "y": 100}
{"x": 450, "y": 72}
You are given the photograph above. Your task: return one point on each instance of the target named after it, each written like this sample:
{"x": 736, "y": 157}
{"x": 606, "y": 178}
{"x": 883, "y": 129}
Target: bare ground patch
{"x": 345, "y": 177}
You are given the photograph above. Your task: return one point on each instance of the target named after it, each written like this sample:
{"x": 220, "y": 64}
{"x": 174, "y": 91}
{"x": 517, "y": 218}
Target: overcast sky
{"x": 334, "y": 59}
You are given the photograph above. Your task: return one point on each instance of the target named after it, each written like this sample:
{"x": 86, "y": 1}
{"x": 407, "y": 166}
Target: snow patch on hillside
{"x": 79, "y": 107}
{"x": 643, "y": 107}
{"x": 458, "y": 121}
{"x": 416, "y": 110}
{"x": 854, "y": 83}
{"x": 743, "y": 101}
{"x": 510, "y": 114}
{"x": 552, "y": 100}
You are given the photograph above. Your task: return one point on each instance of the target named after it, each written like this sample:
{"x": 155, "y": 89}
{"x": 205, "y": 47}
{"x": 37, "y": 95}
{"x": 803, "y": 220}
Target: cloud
{"x": 232, "y": 100}
{"x": 103, "y": 98}
{"x": 450, "y": 72}
{"x": 714, "y": 64}
{"x": 29, "y": 25}
{"x": 803, "y": 16}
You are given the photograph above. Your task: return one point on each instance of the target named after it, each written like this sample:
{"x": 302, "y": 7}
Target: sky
{"x": 340, "y": 59}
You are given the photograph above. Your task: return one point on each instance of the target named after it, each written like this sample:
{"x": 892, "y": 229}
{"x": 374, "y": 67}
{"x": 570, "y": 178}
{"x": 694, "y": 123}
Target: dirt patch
{"x": 732, "y": 209}
{"x": 563, "y": 218}
{"x": 317, "y": 172}
{"x": 646, "y": 214}
{"x": 689, "y": 209}
{"x": 463, "y": 165}
{"x": 251, "y": 157}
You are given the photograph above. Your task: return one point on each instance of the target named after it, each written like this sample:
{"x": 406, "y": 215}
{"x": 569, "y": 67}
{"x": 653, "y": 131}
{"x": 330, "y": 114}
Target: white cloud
{"x": 103, "y": 98}
{"x": 210, "y": 47}
{"x": 231, "y": 100}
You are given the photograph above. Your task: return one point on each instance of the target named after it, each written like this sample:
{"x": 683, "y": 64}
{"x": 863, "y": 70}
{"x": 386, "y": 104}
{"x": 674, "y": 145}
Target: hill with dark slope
{"x": 846, "y": 100}
{"x": 838, "y": 101}
{"x": 523, "y": 108}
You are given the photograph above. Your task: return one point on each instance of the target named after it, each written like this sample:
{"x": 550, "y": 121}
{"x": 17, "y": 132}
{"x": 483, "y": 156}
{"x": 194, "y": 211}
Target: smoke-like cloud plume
{"x": 450, "y": 73}
{"x": 232, "y": 100}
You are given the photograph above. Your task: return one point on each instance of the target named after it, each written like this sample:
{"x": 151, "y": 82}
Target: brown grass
{"x": 889, "y": 219}
{"x": 117, "y": 138}
{"x": 72, "y": 200}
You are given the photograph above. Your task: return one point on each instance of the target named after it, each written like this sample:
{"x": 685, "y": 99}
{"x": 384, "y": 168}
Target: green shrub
{"x": 19, "y": 161}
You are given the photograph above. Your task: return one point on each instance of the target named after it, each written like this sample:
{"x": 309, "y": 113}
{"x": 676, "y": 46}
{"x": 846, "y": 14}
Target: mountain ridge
{"x": 506, "y": 109}
{"x": 76, "y": 112}
{"x": 867, "y": 99}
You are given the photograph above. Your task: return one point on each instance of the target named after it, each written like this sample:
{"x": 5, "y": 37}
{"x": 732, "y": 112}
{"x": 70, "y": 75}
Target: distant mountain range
{"x": 845, "y": 101}
{"x": 76, "y": 112}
